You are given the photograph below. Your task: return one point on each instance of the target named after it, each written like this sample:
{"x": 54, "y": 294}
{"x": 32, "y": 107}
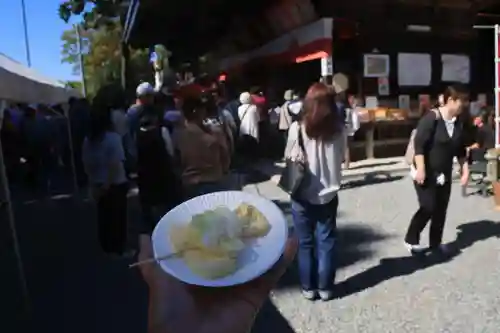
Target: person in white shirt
{"x": 319, "y": 140}
{"x": 249, "y": 126}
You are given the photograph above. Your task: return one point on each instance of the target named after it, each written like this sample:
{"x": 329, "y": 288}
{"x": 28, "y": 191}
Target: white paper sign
{"x": 414, "y": 69}
{"x": 371, "y": 102}
{"x": 326, "y": 66}
{"x": 404, "y": 102}
{"x": 456, "y": 68}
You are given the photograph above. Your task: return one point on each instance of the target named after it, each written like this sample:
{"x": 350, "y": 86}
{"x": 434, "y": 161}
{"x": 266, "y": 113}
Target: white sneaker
{"x": 310, "y": 295}
{"x": 326, "y": 295}
{"x": 415, "y": 249}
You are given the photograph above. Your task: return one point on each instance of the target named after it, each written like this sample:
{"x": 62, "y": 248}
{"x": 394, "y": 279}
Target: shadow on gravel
{"x": 388, "y": 268}
{"x": 373, "y": 165}
{"x": 353, "y": 246}
{"x": 270, "y": 319}
{"x": 371, "y": 179}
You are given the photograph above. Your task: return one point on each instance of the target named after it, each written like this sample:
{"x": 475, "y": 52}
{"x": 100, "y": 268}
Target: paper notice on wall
{"x": 414, "y": 69}
{"x": 404, "y": 102}
{"x": 383, "y": 86}
{"x": 456, "y": 68}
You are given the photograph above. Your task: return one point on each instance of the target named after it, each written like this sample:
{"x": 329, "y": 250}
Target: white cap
{"x": 245, "y": 98}
{"x": 144, "y": 88}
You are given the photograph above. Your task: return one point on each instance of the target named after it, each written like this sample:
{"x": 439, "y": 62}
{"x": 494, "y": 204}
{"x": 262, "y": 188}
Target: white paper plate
{"x": 254, "y": 261}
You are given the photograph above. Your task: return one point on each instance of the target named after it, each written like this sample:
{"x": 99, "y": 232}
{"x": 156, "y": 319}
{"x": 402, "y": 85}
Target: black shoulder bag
{"x": 294, "y": 172}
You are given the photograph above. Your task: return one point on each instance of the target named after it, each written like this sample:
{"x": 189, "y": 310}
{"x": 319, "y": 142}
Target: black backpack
{"x": 156, "y": 179}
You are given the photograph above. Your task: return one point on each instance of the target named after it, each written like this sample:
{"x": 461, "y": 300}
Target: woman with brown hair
{"x": 439, "y": 138}
{"x": 203, "y": 151}
{"x": 320, "y": 137}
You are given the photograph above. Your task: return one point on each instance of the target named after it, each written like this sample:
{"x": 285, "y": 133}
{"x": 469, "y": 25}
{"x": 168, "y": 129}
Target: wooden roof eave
{"x": 202, "y": 23}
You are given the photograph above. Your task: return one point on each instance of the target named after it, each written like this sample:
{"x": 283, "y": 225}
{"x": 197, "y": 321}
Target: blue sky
{"x": 44, "y": 29}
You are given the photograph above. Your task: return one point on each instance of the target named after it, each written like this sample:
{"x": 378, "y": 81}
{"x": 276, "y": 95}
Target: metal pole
{"x": 26, "y": 37}
{"x": 80, "y": 57}
{"x": 76, "y": 188}
{"x": 12, "y": 224}
{"x": 497, "y": 82}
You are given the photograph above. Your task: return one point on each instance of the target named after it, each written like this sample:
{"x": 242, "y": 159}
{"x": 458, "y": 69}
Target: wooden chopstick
{"x": 165, "y": 257}
{"x": 153, "y": 260}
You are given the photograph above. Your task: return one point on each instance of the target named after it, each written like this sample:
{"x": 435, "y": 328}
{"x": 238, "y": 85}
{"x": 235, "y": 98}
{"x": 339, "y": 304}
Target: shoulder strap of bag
{"x": 301, "y": 139}
{"x": 245, "y": 113}
{"x": 284, "y": 108}
{"x": 438, "y": 116}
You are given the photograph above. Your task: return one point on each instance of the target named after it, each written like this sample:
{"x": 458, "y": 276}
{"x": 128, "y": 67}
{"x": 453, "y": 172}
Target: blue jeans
{"x": 315, "y": 227}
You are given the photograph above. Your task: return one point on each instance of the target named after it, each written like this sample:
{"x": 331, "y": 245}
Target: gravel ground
{"x": 384, "y": 290}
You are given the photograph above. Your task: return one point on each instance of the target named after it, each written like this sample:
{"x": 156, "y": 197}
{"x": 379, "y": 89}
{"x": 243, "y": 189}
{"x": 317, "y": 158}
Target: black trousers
{"x": 433, "y": 203}
{"x": 112, "y": 219}
{"x": 151, "y": 215}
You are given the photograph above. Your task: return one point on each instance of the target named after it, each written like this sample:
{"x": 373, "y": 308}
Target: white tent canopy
{"x": 19, "y": 83}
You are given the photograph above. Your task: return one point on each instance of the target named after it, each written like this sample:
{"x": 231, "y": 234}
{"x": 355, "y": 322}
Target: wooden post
{"x": 370, "y": 140}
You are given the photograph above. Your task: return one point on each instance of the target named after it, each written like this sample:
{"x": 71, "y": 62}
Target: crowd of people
{"x": 178, "y": 145}
{"x": 37, "y": 144}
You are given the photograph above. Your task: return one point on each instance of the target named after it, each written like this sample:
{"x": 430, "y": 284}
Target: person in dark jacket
{"x": 439, "y": 138}
{"x": 159, "y": 186}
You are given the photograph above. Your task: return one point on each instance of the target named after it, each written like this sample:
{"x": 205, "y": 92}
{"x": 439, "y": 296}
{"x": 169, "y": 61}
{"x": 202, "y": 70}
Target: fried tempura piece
{"x": 255, "y": 224}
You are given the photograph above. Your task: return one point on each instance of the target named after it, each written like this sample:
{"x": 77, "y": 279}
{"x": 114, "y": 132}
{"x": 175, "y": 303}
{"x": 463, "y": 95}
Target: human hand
{"x": 420, "y": 176}
{"x": 464, "y": 179}
{"x": 178, "y": 307}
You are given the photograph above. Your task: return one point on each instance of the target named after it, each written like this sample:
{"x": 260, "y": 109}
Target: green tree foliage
{"x": 101, "y": 49}
{"x": 95, "y": 13}
{"x": 77, "y": 85}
